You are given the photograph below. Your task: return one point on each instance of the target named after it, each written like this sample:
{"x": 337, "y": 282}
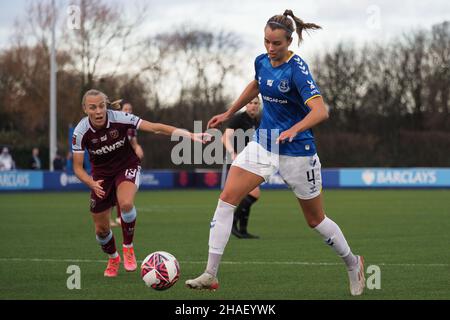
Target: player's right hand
{"x": 217, "y": 120}
{"x": 96, "y": 186}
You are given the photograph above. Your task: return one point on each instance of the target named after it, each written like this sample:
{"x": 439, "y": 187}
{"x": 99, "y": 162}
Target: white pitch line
{"x": 301, "y": 263}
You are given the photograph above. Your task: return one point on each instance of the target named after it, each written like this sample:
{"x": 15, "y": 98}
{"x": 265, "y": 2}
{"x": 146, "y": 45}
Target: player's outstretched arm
{"x": 249, "y": 93}
{"x": 160, "y": 128}
{"x": 96, "y": 186}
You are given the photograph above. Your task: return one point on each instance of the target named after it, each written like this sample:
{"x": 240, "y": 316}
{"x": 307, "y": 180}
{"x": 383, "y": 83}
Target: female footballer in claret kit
{"x": 292, "y": 106}
{"x": 115, "y": 170}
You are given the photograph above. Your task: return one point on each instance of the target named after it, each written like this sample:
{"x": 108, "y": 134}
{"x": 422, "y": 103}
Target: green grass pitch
{"x": 404, "y": 232}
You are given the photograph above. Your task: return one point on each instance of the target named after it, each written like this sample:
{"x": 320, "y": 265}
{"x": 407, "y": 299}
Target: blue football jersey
{"x": 285, "y": 90}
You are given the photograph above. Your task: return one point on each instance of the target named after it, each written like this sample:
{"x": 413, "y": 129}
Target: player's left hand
{"x": 202, "y": 137}
{"x": 286, "y": 135}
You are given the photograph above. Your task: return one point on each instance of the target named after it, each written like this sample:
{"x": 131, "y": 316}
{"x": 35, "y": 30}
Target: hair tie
{"x": 281, "y": 26}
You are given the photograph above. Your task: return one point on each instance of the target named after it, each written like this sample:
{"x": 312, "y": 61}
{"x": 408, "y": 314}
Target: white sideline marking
{"x": 301, "y": 263}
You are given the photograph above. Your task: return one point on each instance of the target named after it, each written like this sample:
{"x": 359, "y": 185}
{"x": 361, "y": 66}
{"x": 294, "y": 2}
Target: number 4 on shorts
{"x": 310, "y": 176}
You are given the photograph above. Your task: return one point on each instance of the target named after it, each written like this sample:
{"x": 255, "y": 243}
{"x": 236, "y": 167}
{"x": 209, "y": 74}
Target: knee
{"x": 229, "y": 197}
{"x": 126, "y": 206}
{"x": 255, "y": 194}
{"x": 314, "y": 221}
{"x": 102, "y": 232}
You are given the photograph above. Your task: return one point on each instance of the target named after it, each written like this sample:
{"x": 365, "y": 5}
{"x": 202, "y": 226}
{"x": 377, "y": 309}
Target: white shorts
{"x": 301, "y": 174}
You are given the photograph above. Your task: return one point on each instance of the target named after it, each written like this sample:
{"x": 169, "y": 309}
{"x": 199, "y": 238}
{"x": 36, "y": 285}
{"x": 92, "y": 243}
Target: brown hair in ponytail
{"x": 283, "y": 22}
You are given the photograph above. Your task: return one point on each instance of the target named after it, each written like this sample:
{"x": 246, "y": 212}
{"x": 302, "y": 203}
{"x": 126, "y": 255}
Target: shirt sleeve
{"x": 304, "y": 82}
{"x": 127, "y": 118}
{"x": 257, "y": 62}
{"x": 77, "y": 142}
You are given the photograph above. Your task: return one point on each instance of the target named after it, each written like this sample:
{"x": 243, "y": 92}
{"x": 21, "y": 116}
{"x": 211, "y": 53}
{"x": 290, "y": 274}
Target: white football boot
{"x": 204, "y": 281}
{"x": 356, "y": 277}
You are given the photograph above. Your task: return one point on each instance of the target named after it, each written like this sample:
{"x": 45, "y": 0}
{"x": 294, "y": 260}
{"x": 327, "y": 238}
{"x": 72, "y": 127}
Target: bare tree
{"x": 342, "y": 77}
{"x": 104, "y": 37}
{"x": 189, "y": 67}
{"x": 440, "y": 68}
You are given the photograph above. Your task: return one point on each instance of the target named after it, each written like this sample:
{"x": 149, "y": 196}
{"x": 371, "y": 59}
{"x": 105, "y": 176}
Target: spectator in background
{"x": 35, "y": 160}
{"x": 6, "y": 160}
{"x": 58, "y": 163}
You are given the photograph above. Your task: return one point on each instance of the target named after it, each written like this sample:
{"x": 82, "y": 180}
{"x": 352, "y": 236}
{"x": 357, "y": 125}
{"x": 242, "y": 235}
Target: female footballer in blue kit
{"x": 284, "y": 142}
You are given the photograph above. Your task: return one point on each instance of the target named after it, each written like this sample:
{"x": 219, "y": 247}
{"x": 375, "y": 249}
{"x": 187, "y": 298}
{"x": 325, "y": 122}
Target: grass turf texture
{"x": 404, "y": 232}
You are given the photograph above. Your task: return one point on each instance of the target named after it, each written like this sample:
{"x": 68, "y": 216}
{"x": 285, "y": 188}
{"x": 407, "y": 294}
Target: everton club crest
{"x": 284, "y": 86}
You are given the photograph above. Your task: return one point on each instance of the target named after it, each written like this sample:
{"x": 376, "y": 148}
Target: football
{"x": 160, "y": 270}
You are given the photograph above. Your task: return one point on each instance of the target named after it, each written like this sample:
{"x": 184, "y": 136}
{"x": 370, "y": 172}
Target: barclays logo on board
{"x": 399, "y": 177}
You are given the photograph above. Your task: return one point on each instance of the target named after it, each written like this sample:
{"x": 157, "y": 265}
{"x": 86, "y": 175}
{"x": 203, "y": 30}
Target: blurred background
{"x": 384, "y": 75}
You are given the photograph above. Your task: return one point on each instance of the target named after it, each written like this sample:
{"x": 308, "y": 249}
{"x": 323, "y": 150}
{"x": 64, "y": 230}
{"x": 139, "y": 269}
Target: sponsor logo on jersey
{"x": 311, "y": 84}
{"x": 259, "y": 80}
{"x": 114, "y": 133}
{"x": 74, "y": 139}
{"x": 269, "y": 82}
{"x": 104, "y": 138}
{"x": 94, "y": 140}
{"x": 275, "y": 100}
{"x": 284, "y": 86}
{"x": 107, "y": 149}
